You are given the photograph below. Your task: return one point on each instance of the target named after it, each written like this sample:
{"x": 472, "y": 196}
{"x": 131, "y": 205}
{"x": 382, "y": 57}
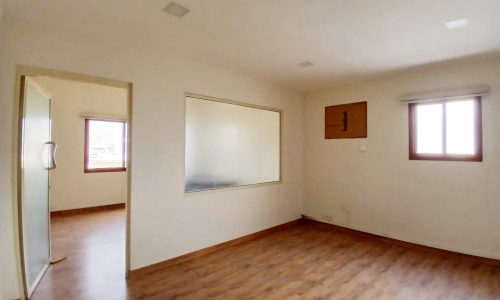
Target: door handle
{"x": 344, "y": 121}
{"x": 52, "y": 157}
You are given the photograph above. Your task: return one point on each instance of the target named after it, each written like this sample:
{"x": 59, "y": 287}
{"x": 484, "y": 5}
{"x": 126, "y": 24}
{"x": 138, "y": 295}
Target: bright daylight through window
{"x": 446, "y": 130}
{"x": 105, "y": 146}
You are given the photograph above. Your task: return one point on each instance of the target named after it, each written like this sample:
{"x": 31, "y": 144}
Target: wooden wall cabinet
{"x": 346, "y": 121}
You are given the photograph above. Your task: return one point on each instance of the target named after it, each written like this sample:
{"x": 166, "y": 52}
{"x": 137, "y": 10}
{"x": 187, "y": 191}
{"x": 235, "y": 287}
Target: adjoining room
{"x": 288, "y": 149}
{"x": 80, "y": 223}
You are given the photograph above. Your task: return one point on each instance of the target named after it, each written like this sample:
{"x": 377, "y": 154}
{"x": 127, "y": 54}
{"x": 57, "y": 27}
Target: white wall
{"x": 70, "y": 187}
{"x": 450, "y": 205}
{"x": 165, "y": 222}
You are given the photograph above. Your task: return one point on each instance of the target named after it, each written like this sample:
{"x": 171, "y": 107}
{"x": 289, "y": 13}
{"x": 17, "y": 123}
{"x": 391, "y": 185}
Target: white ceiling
{"x": 345, "y": 39}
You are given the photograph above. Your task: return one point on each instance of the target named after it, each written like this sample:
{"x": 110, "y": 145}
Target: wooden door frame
{"x": 21, "y": 72}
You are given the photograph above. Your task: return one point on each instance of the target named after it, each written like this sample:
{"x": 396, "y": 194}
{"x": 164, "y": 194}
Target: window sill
{"x": 229, "y": 188}
{"x": 468, "y": 158}
{"x": 105, "y": 170}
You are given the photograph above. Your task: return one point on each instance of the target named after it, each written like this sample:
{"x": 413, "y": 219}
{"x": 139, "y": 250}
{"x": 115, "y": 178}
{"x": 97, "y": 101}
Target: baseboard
{"x": 372, "y": 236}
{"x": 189, "y": 256}
{"x": 86, "y": 210}
{"x": 192, "y": 255}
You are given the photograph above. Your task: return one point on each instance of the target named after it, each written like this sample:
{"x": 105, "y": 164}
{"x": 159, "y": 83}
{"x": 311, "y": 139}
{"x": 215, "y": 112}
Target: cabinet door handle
{"x": 344, "y": 121}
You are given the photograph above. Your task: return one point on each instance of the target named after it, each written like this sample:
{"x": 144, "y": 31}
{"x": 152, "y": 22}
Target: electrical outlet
{"x": 328, "y": 218}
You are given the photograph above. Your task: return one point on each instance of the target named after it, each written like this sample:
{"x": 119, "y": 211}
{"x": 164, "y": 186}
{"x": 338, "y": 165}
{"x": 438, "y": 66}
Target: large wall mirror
{"x": 230, "y": 144}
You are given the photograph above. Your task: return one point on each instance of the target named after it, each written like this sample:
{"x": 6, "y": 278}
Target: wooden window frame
{"x": 86, "y": 148}
{"x": 478, "y": 142}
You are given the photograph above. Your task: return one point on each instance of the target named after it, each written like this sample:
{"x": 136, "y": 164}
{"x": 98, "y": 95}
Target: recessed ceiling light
{"x": 457, "y": 23}
{"x": 176, "y": 9}
{"x": 305, "y": 64}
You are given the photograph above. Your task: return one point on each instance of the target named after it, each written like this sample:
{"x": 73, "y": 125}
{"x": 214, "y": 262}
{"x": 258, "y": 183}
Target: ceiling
{"x": 347, "y": 40}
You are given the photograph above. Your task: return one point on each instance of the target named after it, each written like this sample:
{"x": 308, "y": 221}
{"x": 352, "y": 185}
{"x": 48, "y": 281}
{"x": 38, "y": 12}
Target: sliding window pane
{"x": 460, "y": 127}
{"x": 430, "y": 129}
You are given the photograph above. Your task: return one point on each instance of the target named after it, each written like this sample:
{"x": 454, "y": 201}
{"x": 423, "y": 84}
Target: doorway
{"x": 90, "y": 180}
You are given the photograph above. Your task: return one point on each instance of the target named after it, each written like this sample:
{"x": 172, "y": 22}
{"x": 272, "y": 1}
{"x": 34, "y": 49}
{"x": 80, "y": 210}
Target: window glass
{"x": 106, "y": 145}
{"x": 429, "y": 128}
{"x": 230, "y": 145}
{"x": 446, "y": 130}
{"x": 460, "y": 127}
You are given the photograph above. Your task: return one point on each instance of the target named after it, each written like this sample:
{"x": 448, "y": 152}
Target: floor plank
{"x": 307, "y": 261}
{"x": 95, "y": 246}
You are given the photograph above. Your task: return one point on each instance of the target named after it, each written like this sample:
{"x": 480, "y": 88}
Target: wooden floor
{"x": 95, "y": 268}
{"x": 308, "y": 261}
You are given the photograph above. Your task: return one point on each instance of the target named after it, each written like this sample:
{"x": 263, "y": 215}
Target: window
{"x": 105, "y": 146}
{"x": 230, "y": 144}
{"x": 446, "y": 130}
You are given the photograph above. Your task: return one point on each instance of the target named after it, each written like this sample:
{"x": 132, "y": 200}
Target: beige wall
{"x": 5, "y": 220}
{"x": 70, "y": 187}
{"x": 450, "y": 205}
{"x": 1, "y": 12}
{"x": 165, "y": 222}
{"x": 9, "y": 283}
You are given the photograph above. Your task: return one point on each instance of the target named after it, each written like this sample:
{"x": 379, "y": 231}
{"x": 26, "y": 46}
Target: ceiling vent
{"x": 457, "y": 23}
{"x": 176, "y": 9}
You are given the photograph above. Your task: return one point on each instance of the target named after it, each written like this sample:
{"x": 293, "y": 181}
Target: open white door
{"x": 36, "y": 159}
